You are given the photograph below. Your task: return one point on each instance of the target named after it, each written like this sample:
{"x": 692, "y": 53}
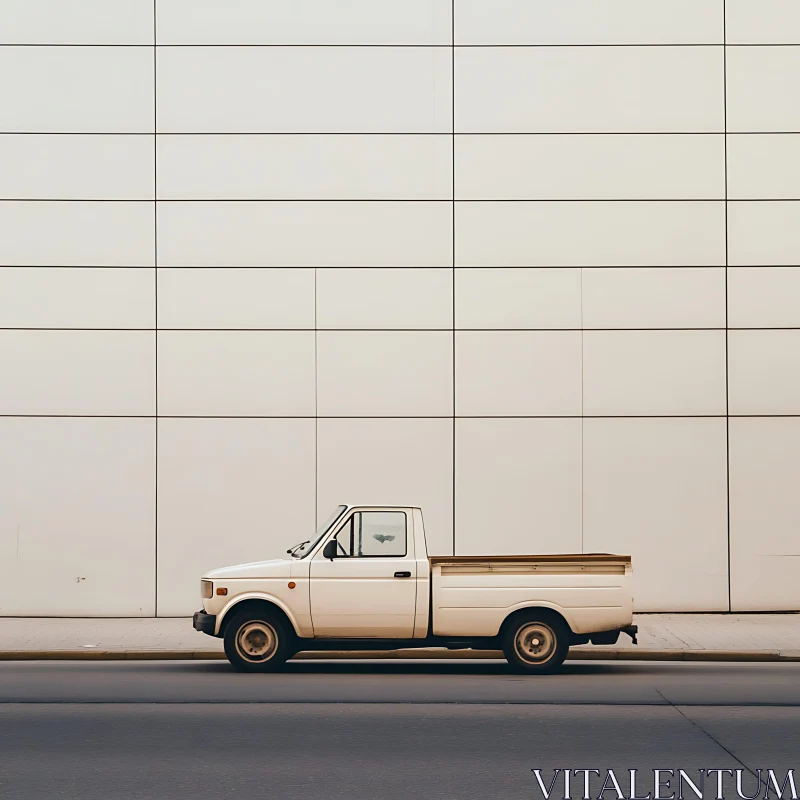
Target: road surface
{"x": 326, "y": 731}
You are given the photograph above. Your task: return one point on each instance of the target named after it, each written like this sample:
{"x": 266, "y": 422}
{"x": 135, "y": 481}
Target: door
{"x": 369, "y": 590}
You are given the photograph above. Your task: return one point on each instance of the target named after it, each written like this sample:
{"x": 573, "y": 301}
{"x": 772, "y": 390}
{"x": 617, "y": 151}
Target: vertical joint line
{"x": 727, "y": 393}
{"x": 453, "y": 188}
{"x": 316, "y": 407}
{"x": 583, "y": 424}
{"x": 155, "y": 288}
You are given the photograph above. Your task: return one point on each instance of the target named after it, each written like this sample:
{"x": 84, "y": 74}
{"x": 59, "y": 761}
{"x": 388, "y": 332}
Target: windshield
{"x": 303, "y": 551}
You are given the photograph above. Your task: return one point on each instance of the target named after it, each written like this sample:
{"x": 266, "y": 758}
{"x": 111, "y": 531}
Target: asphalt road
{"x": 382, "y": 730}
{"x": 588, "y": 682}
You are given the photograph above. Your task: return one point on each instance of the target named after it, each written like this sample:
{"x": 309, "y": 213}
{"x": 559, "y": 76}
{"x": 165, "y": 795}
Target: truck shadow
{"x": 433, "y": 668}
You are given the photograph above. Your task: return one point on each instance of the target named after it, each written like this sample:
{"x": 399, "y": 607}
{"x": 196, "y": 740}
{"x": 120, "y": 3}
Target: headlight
{"x": 206, "y": 589}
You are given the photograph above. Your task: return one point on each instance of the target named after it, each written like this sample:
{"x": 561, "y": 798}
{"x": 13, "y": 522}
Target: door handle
{"x": 402, "y": 574}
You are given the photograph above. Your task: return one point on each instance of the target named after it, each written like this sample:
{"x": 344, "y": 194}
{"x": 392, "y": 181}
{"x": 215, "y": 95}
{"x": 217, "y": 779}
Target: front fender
{"x": 270, "y": 598}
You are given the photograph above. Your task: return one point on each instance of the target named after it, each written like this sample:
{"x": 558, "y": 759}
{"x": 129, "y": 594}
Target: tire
{"x": 257, "y": 641}
{"x": 536, "y": 643}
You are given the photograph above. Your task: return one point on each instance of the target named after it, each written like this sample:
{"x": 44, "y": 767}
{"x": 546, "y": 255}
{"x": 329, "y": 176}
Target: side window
{"x": 372, "y": 534}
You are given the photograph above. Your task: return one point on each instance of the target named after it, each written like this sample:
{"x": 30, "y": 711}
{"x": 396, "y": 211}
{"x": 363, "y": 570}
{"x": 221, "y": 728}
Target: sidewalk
{"x": 674, "y": 637}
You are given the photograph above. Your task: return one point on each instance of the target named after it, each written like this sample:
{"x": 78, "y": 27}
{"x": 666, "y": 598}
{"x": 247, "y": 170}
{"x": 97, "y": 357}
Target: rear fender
{"x": 534, "y": 604}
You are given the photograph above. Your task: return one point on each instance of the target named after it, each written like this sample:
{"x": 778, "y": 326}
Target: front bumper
{"x": 205, "y": 623}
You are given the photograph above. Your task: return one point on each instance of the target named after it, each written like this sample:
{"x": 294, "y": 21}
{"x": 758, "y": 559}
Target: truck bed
{"x": 472, "y": 595}
{"x": 527, "y": 559}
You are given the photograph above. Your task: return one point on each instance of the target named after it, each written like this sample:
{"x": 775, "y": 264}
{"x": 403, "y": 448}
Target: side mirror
{"x": 329, "y": 551}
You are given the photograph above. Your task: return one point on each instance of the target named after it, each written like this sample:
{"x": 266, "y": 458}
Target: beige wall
{"x": 544, "y": 283}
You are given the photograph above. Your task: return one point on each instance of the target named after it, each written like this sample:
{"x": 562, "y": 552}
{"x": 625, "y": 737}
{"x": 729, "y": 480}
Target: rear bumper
{"x": 205, "y": 623}
{"x": 607, "y": 637}
{"x": 631, "y": 630}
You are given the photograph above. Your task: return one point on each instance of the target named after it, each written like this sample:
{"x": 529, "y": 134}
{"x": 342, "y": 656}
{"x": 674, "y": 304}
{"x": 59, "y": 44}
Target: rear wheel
{"x": 536, "y": 643}
{"x": 257, "y": 641}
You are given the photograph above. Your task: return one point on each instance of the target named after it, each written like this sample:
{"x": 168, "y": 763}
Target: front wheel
{"x": 536, "y": 643}
{"x": 257, "y": 641}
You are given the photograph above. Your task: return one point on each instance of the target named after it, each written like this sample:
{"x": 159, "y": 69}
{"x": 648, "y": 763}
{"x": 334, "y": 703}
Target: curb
{"x": 626, "y": 654}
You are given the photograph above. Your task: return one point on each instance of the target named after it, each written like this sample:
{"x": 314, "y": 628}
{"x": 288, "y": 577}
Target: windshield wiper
{"x": 291, "y": 551}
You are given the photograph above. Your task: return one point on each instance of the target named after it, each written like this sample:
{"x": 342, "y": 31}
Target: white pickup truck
{"x": 365, "y": 582}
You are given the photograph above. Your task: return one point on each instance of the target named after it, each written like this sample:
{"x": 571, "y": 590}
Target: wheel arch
{"x": 523, "y": 611}
{"x": 254, "y": 601}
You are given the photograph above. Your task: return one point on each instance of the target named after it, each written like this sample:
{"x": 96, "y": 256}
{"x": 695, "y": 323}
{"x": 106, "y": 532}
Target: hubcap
{"x": 535, "y": 642}
{"x": 257, "y": 641}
